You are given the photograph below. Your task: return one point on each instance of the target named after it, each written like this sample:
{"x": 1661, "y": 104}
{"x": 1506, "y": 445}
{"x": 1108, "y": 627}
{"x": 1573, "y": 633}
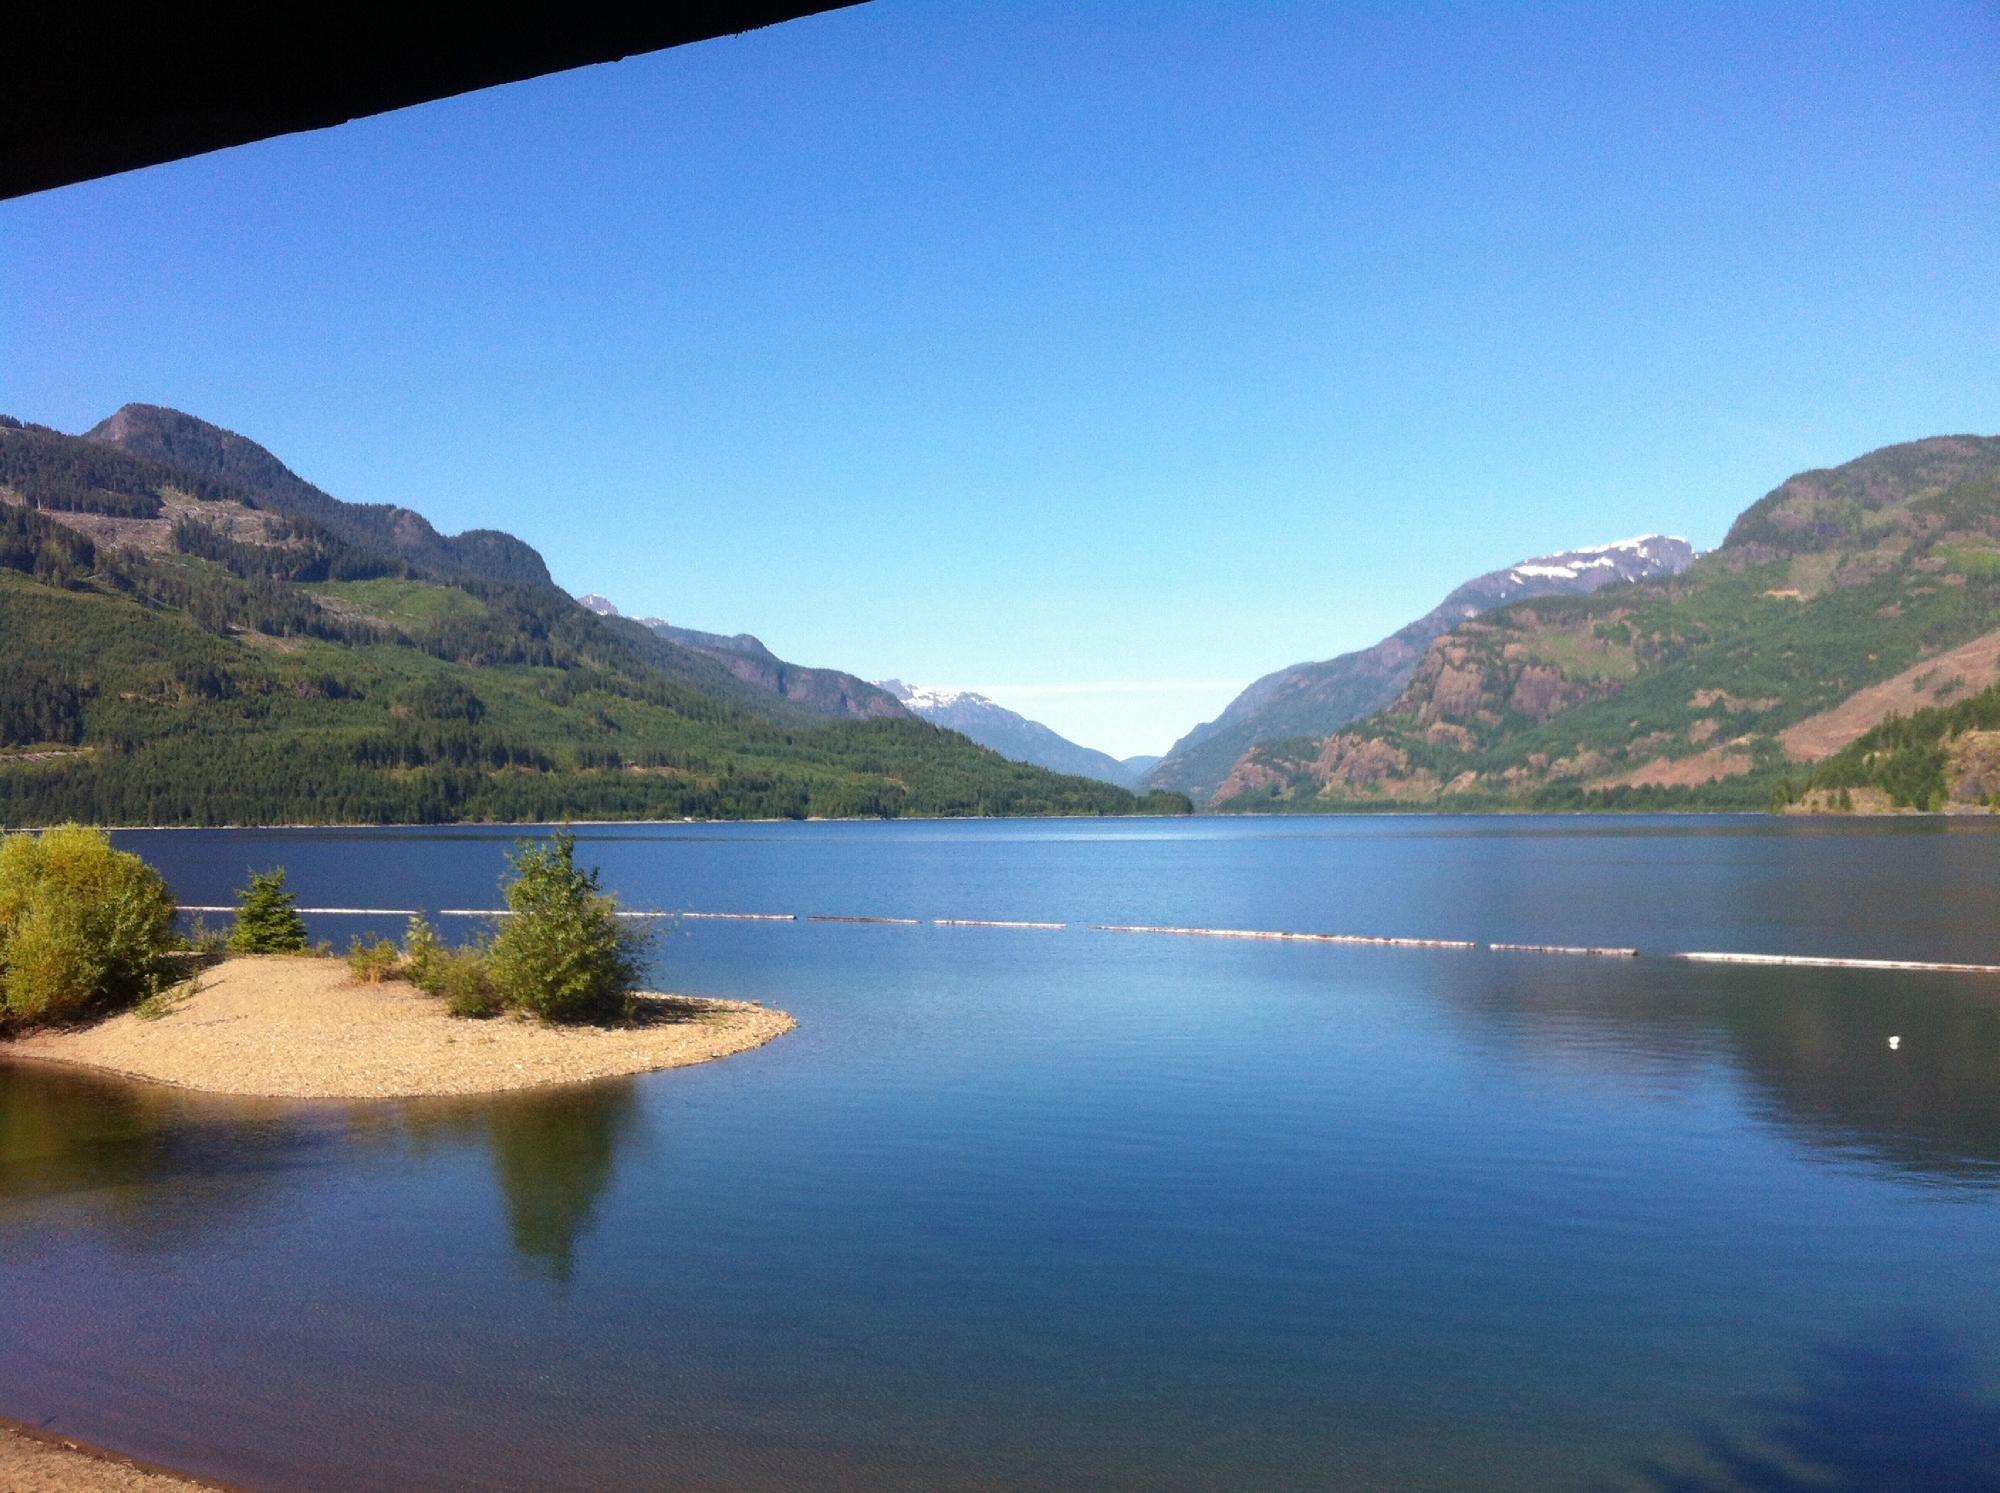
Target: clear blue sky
{"x": 1101, "y": 357}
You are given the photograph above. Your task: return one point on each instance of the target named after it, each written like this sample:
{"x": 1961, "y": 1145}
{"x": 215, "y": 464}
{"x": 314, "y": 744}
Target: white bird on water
{"x": 1894, "y": 1043}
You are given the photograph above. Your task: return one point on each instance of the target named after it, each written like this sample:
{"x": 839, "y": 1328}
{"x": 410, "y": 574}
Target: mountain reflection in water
{"x": 1042, "y": 1209}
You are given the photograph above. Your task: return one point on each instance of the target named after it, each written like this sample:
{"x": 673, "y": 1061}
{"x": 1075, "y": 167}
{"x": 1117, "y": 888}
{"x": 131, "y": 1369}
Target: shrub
{"x": 421, "y": 946}
{"x": 562, "y": 954}
{"x": 268, "y": 920}
{"x": 463, "y": 978}
{"x": 372, "y": 960}
{"x": 202, "y": 939}
{"x": 81, "y": 924}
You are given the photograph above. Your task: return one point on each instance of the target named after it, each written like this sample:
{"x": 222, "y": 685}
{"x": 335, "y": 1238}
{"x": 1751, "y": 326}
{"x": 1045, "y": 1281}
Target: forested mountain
{"x": 1843, "y": 599}
{"x": 1317, "y": 698}
{"x": 827, "y": 691}
{"x": 254, "y": 474}
{"x": 192, "y": 634}
{"x": 1009, "y": 733}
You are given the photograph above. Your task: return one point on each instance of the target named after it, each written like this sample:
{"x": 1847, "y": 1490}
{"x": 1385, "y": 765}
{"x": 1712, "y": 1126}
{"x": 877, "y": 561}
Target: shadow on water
{"x": 1906, "y": 1416}
{"x": 554, "y": 1154}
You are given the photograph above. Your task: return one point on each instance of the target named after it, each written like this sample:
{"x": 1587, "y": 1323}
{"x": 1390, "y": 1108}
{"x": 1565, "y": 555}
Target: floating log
{"x": 1810, "y": 961}
{"x": 1342, "y": 938}
{"x": 990, "y": 923}
{"x": 624, "y": 912}
{"x": 1557, "y": 948}
{"x": 325, "y": 912}
{"x": 831, "y": 917}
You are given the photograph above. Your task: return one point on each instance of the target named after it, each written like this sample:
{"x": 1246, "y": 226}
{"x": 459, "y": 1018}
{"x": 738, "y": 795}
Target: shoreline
{"x": 45, "y": 1461}
{"x": 652, "y": 823}
{"x": 301, "y": 1028}
{"x": 257, "y": 1028}
{"x": 1219, "y": 816}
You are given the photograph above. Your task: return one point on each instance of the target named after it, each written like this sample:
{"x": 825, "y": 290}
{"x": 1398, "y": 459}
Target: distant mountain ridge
{"x": 827, "y": 691}
{"x": 1316, "y": 698}
{"x": 200, "y": 636}
{"x": 1842, "y": 644}
{"x": 1009, "y": 733}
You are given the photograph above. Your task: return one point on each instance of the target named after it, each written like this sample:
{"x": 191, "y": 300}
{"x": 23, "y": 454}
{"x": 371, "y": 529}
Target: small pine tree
{"x": 562, "y": 954}
{"x": 268, "y": 920}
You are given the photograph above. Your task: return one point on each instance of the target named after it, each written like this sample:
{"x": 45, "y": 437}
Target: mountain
{"x": 1317, "y": 698}
{"x": 1845, "y": 602}
{"x": 195, "y": 635}
{"x": 1939, "y": 757}
{"x": 1140, "y": 766}
{"x": 1012, "y": 736}
{"x": 258, "y": 478}
{"x": 826, "y": 691}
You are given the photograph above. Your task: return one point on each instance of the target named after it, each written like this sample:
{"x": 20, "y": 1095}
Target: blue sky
{"x": 1100, "y": 357}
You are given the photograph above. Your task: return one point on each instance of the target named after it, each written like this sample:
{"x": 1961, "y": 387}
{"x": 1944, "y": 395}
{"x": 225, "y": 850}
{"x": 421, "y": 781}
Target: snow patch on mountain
{"x": 1571, "y": 564}
{"x": 922, "y": 698}
{"x": 1013, "y": 736}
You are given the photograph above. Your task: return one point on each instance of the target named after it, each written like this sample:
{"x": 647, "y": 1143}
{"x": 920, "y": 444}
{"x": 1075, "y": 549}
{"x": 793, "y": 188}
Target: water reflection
{"x": 1809, "y": 1047}
{"x": 1906, "y": 1416}
{"x": 153, "y": 1166}
{"x": 554, "y": 1154}
{"x": 110, "y": 1152}
{"x": 1818, "y": 1055}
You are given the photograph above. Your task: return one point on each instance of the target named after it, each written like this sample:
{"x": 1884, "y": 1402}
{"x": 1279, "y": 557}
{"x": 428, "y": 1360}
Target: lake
{"x": 1023, "y": 1208}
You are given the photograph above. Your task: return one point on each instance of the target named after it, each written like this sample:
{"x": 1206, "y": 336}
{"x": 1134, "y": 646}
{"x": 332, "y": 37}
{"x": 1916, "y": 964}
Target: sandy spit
{"x": 35, "y": 1462}
{"x": 301, "y": 1028}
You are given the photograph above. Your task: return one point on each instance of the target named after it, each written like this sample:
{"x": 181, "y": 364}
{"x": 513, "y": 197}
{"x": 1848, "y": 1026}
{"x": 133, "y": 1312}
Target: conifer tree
{"x": 562, "y": 954}
{"x": 268, "y": 920}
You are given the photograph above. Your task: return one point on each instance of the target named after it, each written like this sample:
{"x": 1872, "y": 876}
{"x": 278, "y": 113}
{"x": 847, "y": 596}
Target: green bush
{"x": 421, "y": 946}
{"x": 561, "y": 953}
{"x": 463, "y": 979}
{"x": 372, "y": 960}
{"x": 81, "y": 925}
{"x": 268, "y": 920}
{"x": 202, "y": 939}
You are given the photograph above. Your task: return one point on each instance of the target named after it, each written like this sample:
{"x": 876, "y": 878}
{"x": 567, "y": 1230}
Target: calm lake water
{"x": 1071, "y": 1209}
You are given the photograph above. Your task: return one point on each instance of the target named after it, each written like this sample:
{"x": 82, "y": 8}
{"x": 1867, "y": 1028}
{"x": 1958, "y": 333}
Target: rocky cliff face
{"x": 1012, "y": 735}
{"x": 1317, "y": 698}
{"x": 1842, "y": 598}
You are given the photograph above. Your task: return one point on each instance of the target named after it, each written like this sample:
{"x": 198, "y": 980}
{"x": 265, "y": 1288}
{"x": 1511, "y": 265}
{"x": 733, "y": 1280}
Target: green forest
{"x": 266, "y": 666}
{"x": 1676, "y": 693}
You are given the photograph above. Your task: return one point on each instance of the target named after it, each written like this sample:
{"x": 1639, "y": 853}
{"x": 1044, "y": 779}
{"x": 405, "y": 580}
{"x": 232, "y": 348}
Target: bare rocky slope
{"x": 1841, "y": 599}
{"x": 1316, "y": 698}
